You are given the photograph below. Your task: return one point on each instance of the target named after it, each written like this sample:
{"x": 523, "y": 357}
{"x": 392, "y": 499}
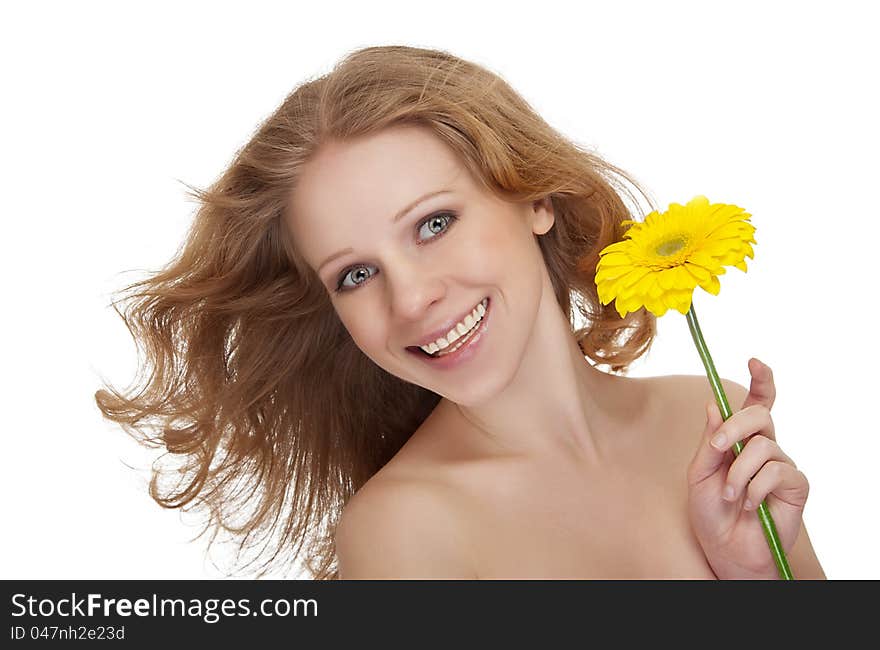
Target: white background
{"x": 108, "y": 107}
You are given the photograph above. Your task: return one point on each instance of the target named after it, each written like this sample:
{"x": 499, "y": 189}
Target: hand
{"x": 729, "y": 529}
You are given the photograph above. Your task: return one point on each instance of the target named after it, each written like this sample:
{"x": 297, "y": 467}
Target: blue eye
{"x": 438, "y": 223}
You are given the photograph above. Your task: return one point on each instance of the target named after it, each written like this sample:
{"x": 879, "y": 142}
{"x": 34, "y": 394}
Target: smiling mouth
{"x": 415, "y": 349}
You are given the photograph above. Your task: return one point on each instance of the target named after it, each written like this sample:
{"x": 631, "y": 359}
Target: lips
{"x": 473, "y": 343}
{"x": 444, "y": 330}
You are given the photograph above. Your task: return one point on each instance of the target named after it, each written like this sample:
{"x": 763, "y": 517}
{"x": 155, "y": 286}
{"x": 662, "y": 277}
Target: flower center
{"x": 671, "y": 246}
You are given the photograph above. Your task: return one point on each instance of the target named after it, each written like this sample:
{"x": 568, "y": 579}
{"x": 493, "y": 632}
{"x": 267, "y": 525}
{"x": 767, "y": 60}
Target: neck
{"x": 555, "y": 402}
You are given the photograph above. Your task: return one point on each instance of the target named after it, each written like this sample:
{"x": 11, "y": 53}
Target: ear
{"x": 542, "y": 215}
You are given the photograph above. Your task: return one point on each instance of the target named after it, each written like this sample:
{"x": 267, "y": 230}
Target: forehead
{"x": 365, "y": 182}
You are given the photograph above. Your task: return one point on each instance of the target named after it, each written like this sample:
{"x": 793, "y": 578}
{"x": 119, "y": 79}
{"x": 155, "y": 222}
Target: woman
{"x": 366, "y": 350}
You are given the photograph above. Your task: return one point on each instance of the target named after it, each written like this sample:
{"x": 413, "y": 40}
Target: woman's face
{"x": 400, "y": 267}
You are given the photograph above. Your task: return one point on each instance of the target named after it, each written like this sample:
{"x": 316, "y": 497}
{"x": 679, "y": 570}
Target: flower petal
{"x": 610, "y": 273}
{"x": 712, "y": 285}
{"x": 681, "y": 301}
{"x": 698, "y": 273}
{"x": 616, "y": 246}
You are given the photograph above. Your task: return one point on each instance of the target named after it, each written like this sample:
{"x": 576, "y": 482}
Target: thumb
{"x": 708, "y": 459}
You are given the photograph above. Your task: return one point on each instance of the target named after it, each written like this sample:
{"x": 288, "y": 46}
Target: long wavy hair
{"x": 270, "y": 415}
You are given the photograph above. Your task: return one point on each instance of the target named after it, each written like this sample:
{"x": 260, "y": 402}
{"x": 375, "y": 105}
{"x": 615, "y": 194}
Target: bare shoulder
{"x": 684, "y": 398}
{"x": 697, "y": 389}
{"x": 399, "y": 527}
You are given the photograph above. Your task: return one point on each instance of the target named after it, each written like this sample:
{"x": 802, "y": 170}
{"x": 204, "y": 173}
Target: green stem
{"x": 763, "y": 512}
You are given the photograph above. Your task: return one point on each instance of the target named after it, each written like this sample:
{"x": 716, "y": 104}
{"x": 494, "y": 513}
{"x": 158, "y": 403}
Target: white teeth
{"x": 459, "y": 330}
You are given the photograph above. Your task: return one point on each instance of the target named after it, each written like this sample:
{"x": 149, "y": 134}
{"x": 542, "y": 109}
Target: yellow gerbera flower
{"x": 660, "y": 262}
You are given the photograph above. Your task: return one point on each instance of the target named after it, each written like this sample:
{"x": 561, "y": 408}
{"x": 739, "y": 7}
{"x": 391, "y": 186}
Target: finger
{"x": 758, "y": 451}
{"x": 762, "y": 390}
{"x": 784, "y": 481}
{"x": 742, "y": 424}
{"x": 708, "y": 459}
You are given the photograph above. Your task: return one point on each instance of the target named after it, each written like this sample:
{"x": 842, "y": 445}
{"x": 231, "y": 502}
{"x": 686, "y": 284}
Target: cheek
{"x": 489, "y": 252}
{"x": 371, "y": 339}
{"x": 364, "y": 331}
{"x": 501, "y": 252}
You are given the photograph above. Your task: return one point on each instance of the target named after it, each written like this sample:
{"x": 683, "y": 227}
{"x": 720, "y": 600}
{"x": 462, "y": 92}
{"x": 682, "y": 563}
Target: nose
{"x": 412, "y": 289}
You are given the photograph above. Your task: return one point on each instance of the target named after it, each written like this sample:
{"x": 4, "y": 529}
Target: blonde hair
{"x": 255, "y": 388}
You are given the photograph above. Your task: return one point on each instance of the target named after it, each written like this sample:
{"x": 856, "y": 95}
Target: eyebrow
{"x": 397, "y": 217}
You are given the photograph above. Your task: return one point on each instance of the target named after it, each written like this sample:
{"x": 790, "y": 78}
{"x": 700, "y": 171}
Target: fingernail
{"x": 728, "y": 493}
{"x": 747, "y": 504}
{"x": 718, "y": 441}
